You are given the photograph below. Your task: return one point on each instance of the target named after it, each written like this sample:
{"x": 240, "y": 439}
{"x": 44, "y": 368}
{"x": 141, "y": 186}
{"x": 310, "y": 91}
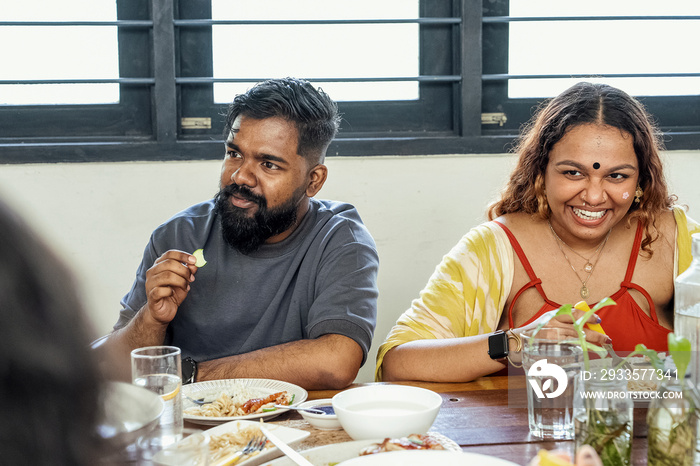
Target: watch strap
{"x": 189, "y": 370}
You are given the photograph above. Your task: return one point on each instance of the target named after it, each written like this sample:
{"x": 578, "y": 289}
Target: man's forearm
{"x": 328, "y": 362}
{"x": 139, "y": 332}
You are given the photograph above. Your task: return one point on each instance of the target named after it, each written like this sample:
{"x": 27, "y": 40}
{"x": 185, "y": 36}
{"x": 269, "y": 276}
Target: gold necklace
{"x": 588, "y": 268}
{"x": 584, "y": 291}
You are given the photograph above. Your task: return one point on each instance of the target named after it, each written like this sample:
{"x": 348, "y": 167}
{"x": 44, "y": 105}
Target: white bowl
{"x": 128, "y": 412}
{"x": 380, "y": 411}
{"x": 320, "y": 421}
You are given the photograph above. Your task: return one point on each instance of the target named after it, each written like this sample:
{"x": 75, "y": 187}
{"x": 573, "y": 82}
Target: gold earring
{"x": 638, "y": 193}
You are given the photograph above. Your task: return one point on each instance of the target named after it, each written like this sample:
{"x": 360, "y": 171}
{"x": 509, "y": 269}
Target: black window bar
{"x": 467, "y": 80}
{"x": 685, "y": 135}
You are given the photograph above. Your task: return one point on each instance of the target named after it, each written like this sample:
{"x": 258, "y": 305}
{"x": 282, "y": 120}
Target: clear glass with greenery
{"x": 673, "y": 416}
{"x": 605, "y": 424}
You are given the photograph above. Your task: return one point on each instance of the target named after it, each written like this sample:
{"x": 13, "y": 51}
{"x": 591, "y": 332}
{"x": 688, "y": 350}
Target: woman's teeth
{"x": 588, "y": 215}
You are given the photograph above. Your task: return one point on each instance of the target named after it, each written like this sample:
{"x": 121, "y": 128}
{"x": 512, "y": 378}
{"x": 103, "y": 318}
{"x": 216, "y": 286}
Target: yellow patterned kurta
{"x": 467, "y": 293}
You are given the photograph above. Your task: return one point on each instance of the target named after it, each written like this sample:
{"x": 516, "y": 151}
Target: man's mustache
{"x": 242, "y": 192}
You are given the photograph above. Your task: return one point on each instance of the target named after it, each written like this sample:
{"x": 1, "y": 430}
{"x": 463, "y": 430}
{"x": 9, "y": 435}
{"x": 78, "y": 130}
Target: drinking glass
{"x": 158, "y": 369}
{"x": 603, "y": 418}
{"x": 552, "y": 362}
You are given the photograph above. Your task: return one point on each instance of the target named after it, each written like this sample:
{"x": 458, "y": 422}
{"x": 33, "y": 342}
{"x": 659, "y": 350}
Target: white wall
{"x": 99, "y": 215}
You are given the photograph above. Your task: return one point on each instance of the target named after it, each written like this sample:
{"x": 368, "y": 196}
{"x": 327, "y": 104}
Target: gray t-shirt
{"x": 322, "y": 279}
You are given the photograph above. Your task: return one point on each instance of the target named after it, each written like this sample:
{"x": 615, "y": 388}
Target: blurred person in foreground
{"x": 49, "y": 400}
{"x": 585, "y": 215}
{"x": 289, "y": 288}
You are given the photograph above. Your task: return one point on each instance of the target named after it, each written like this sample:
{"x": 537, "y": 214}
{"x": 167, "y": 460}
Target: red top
{"x": 625, "y": 323}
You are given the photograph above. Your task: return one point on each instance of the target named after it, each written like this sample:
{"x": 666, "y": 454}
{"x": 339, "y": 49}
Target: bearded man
{"x": 289, "y": 288}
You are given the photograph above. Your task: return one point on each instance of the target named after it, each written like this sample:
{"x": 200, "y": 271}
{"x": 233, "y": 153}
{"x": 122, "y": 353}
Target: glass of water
{"x": 552, "y": 361}
{"x": 158, "y": 368}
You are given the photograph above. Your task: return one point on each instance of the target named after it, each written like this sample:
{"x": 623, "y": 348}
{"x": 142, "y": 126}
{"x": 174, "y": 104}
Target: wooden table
{"x": 477, "y": 416}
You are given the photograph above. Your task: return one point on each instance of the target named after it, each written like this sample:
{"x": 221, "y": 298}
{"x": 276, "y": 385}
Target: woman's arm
{"x": 441, "y": 360}
{"x": 467, "y": 358}
{"x": 461, "y": 304}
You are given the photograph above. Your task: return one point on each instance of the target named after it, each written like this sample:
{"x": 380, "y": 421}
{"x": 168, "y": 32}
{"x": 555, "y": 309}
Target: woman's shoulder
{"x": 683, "y": 222}
{"x": 484, "y": 244}
{"x": 526, "y": 228}
{"x": 487, "y": 233}
{"x": 518, "y": 221}
{"x": 666, "y": 222}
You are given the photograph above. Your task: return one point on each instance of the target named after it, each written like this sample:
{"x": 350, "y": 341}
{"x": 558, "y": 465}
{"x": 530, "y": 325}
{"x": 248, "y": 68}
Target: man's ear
{"x": 317, "y": 177}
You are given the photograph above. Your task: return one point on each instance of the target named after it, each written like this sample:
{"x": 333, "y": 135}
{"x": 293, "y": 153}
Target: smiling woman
{"x": 596, "y": 198}
{"x": 586, "y": 213}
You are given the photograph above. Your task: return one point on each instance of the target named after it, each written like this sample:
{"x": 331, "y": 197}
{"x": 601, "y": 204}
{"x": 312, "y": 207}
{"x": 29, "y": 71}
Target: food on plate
{"x": 199, "y": 255}
{"x": 412, "y": 442}
{"x": 644, "y": 377}
{"x": 241, "y": 403}
{"x": 642, "y": 385}
{"x": 230, "y": 442}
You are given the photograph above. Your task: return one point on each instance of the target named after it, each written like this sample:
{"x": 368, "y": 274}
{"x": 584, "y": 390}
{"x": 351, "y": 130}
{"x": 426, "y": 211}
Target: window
{"x": 64, "y": 82}
{"x": 331, "y": 49}
{"x": 541, "y": 47}
{"x": 644, "y": 42}
{"x": 390, "y": 65}
{"x": 411, "y": 76}
{"x": 71, "y": 53}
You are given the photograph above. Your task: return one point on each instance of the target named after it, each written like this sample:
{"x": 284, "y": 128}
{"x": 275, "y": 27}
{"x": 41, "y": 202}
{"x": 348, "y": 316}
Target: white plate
{"x": 212, "y": 389}
{"x": 424, "y": 458}
{"x": 334, "y": 453}
{"x": 289, "y": 435}
{"x": 337, "y": 452}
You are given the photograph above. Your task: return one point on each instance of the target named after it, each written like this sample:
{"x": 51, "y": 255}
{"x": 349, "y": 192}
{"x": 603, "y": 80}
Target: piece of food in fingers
{"x": 583, "y": 306}
{"x": 199, "y": 255}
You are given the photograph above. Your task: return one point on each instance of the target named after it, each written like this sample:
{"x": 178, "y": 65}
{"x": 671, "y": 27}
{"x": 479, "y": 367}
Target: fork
{"x": 616, "y": 360}
{"x": 199, "y": 401}
{"x": 257, "y": 443}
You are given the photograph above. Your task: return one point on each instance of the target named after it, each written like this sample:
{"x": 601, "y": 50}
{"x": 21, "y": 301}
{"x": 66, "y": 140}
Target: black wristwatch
{"x": 498, "y": 345}
{"x": 189, "y": 370}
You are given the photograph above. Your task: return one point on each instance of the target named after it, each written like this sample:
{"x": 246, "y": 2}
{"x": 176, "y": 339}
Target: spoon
{"x": 311, "y": 410}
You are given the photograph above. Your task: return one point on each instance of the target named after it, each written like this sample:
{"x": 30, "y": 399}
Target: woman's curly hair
{"x": 587, "y": 103}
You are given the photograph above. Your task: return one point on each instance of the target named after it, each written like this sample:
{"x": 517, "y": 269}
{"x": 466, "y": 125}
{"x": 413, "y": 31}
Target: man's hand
{"x": 167, "y": 284}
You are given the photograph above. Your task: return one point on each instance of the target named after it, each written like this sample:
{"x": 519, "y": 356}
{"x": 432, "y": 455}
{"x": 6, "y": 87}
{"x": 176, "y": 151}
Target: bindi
{"x": 596, "y": 165}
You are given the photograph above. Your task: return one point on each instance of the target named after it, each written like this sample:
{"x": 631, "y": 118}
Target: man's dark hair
{"x": 312, "y": 111}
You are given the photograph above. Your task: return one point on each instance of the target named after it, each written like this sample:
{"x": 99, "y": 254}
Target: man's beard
{"x": 246, "y": 233}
